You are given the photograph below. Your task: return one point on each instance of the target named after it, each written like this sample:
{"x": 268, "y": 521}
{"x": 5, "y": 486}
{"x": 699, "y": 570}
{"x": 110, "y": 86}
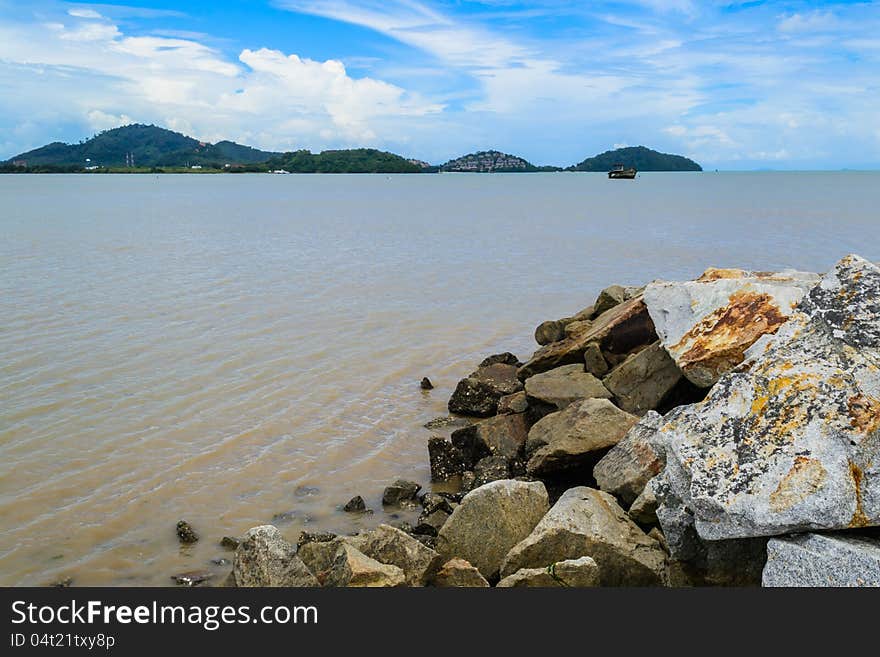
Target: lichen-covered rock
{"x": 391, "y": 546}
{"x": 445, "y": 459}
{"x": 642, "y": 381}
{"x": 573, "y": 573}
{"x": 616, "y": 331}
{"x": 460, "y": 574}
{"x": 352, "y": 568}
{"x": 707, "y": 324}
{"x": 588, "y": 522}
{"x": 490, "y": 520}
{"x": 822, "y": 560}
{"x": 574, "y": 437}
{"x": 478, "y": 394}
{"x": 264, "y": 558}
{"x": 502, "y": 435}
{"x": 789, "y": 441}
{"x": 563, "y": 385}
{"x": 633, "y": 462}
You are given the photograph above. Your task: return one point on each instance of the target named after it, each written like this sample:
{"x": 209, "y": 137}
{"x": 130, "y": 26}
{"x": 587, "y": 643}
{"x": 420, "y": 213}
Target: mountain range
{"x": 138, "y": 147}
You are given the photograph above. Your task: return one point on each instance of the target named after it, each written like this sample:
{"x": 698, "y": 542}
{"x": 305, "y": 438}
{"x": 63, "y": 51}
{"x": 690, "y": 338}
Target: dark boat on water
{"x": 619, "y": 171}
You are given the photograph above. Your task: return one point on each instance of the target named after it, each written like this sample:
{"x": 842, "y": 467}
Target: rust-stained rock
{"x": 617, "y": 331}
{"x": 707, "y": 324}
{"x": 633, "y": 462}
{"x": 789, "y": 441}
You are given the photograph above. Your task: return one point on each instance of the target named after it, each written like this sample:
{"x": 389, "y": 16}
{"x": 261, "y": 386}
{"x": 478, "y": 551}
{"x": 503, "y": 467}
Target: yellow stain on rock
{"x": 806, "y": 477}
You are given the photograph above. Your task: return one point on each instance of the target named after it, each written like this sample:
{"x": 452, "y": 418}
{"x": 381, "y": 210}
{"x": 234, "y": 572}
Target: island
{"x": 637, "y": 157}
{"x": 491, "y": 162}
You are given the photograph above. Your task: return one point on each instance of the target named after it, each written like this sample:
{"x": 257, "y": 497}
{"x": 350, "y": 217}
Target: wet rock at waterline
{"x": 264, "y": 558}
{"x": 445, "y": 459}
{"x": 426, "y": 384}
{"x": 502, "y": 435}
{"x": 401, "y": 493}
{"x": 478, "y": 394}
{"x": 185, "y": 533}
{"x": 355, "y": 505}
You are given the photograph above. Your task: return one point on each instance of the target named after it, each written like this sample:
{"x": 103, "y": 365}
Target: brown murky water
{"x": 237, "y": 350}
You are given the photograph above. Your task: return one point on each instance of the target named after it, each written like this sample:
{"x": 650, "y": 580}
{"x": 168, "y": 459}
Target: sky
{"x": 733, "y": 85}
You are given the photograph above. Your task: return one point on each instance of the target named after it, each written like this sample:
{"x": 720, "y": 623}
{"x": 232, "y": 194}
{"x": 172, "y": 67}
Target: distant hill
{"x": 492, "y": 161}
{"x": 146, "y": 146}
{"x": 643, "y": 159}
{"x": 355, "y": 160}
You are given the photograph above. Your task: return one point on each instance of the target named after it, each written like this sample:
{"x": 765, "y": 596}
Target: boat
{"x": 619, "y": 171}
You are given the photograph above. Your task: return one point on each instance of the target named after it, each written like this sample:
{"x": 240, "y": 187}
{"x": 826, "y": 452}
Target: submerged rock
{"x": 643, "y": 381}
{"x": 490, "y": 520}
{"x": 574, "y": 573}
{"x": 478, "y": 394}
{"x": 633, "y": 462}
{"x": 426, "y": 384}
{"x": 707, "y": 324}
{"x": 572, "y": 437}
{"x": 461, "y": 574}
{"x": 588, "y": 522}
{"x": 401, "y": 493}
{"x": 264, "y": 558}
{"x": 822, "y": 560}
{"x": 789, "y": 441}
{"x": 229, "y": 542}
{"x": 185, "y": 532}
{"x": 355, "y": 505}
{"x": 563, "y": 385}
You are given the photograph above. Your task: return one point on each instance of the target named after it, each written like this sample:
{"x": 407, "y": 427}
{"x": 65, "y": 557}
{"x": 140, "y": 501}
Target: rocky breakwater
{"x": 719, "y": 431}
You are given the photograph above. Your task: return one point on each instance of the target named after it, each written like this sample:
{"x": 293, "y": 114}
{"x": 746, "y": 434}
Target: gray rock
{"x": 515, "y": 403}
{"x": 391, "y": 546}
{"x": 264, "y": 558}
{"x": 446, "y": 459}
{"x": 401, "y": 493}
{"x": 502, "y": 435}
{"x": 352, "y": 568}
{"x": 490, "y": 520}
{"x": 594, "y": 361}
{"x": 588, "y": 522}
{"x": 461, "y": 574}
{"x": 788, "y": 442}
{"x": 617, "y": 331}
{"x": 478, "y": 394}
{"x": 822, "y": 560}
{"x": 642, "y": 381}
{"x": 563, "y": 385}
{"x": 633, "y": 462}
{"x": 707, "y": 324}
{"x": 573, "y": 437}
{"x": 609, "y": 298}
{"x": 644, "y": 508}
{"x": 573, "y": 573}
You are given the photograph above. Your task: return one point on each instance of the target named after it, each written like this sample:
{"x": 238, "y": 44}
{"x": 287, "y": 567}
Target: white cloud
{"x": 83, "y": 13}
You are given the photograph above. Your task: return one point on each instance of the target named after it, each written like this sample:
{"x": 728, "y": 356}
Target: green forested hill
{"x": 643, "y": 159}
{"x": 356, "y": 160}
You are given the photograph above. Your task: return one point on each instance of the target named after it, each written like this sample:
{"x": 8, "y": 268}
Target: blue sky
{"x": 735, "y": 85}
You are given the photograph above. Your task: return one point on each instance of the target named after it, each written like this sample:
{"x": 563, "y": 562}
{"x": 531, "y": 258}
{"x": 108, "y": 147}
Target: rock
{"x": 429, "y": 524}
{"x": 572, "y": 437}
{"x": 616, "y": 331}
{"x": 193, "y": 578}
{"x": 490, "y": 468}
{"x": 563, "y": 385}
{"x": 478, "y": 394}
{"x": 435, "y": 502}
{"x": 220, "y": 561}
{"x": 352, "y": 568}
{"x": 318, "y": 556}
{"x": 707, "y": 324}
{"x": 66, "y": 582}
{"x": 644, "y": 509}
{"x": 307, "y": 491}
{"x": 229, "y": 542}
{"x": 185, "y": 532}
{"x": 594, "y": 361}
{"x": 630, "y": 464}
{"x": 502, "y": 435}
{"x": 391, "y": 546}
{"x": 822, "y": 560}
{"x": 515, "y": 403}
{"x": 461, "y": 574}
{"x": 549, "y": 332}
{"x": 467, "y": 481}
{"x": 446, "y": 460}
{"x": 490, "y": 520}
{"x": 426, "y": 384}
{"x": 609, "y": 298}
{"x": 588, "y": 522}
{"x": 446, "y": 422}
{"x": 574, "y": 573}
{"x": 506, "y": 358}
{"x": 401, "y": 493}
{"x": 355, "y": 505}
{"x": 577, "y": 326}
{"x": 314, "y": 537}
{"x": 264, "y": 558}
{"x": 789, "y": 441}
{"x": 643, "y": 380}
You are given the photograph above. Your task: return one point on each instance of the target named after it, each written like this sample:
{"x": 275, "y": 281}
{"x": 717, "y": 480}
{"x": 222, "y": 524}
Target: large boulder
{"x": 352, "y": 568}
{"x": 563, "y": 385}
{"x": 588, "y": 522}
{"x": 264, "y": 558}
{"x": 460, "y": 574}
{"x": 633, "y": 462}
{"x": 707, "y": 324}
{"x": 574, "y": 573}
{"x": 445, "y": 459}
{"x": 616, "y": 331}
{"x": 576, "y": 436}
{"x": 822, "y": 560}
{"x": 391, "y": 546}
{"x": 643, "y": 380}
{"x": 789, "y": 441}
{"x": 502, "y": 435}
{"x": 478, "y": 394}
{"x": 490, "y": 520}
